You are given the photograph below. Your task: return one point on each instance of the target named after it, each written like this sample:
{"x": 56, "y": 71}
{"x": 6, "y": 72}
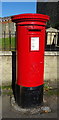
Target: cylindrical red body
{"x": 30, "y": 48}
{"x": 30, "y": 61}
{"x": 30, "y": 36}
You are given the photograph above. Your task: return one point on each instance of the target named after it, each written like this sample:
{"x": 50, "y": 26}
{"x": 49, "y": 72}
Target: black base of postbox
{"x": 27, "y": 97}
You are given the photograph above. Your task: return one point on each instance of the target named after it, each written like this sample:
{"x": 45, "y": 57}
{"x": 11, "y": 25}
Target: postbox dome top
{"x": 30, "y": 17}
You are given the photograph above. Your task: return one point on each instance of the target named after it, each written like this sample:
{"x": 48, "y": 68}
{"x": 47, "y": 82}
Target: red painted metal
{"x": 30, "y": 63}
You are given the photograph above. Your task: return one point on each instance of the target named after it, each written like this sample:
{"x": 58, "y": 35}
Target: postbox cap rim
{"x": 33, "y": 16}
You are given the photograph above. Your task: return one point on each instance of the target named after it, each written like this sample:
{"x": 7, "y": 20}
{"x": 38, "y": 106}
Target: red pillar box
{"x": 30, "y": 30}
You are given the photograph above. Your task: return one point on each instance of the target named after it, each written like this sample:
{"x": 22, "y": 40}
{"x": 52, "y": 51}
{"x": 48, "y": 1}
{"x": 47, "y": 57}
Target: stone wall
{"x": 51, "y": 67}
{"x": 6, "y": 67}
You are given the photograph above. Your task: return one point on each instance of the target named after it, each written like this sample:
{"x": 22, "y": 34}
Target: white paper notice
{"x": 34, "y": 43}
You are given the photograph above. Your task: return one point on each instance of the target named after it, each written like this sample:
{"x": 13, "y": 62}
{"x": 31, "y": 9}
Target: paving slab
{"x": 8, "y": 110}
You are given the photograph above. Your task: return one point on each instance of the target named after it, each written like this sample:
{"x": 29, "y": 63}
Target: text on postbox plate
{"x": 34, "y": 43}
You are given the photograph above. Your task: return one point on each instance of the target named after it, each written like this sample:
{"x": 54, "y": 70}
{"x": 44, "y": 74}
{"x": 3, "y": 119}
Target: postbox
{"x": 30, "y": 37}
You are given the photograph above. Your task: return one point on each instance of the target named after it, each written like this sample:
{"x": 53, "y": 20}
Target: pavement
{"x": 0, "y": 107}
{"x": 8, "y": 111}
